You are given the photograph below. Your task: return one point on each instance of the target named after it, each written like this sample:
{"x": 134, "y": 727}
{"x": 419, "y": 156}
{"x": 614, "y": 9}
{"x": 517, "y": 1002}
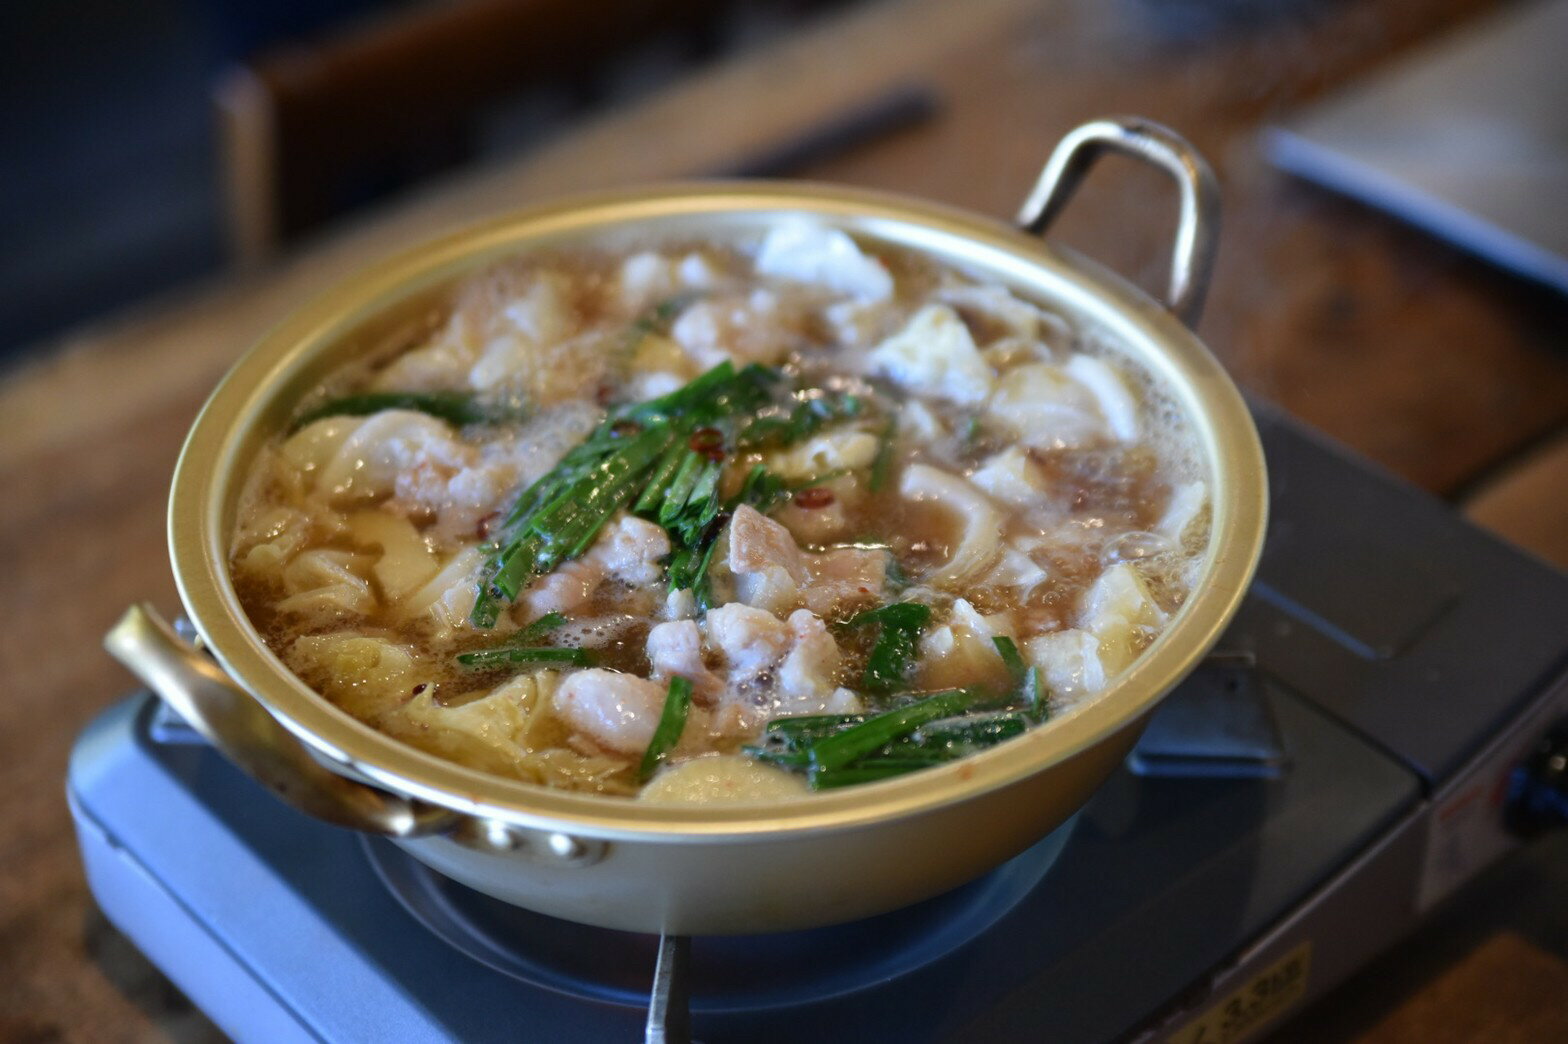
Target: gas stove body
{"x": 1296, "y": 806}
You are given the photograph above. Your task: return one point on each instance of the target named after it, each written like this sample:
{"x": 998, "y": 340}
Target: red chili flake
{"x": 421, "y": 687}
{"x": 625, "y": 429}
{"x": 707, "y": 441}
{"x": 602, "y": 394}
{"x": 814, "y": 497}
{"x": 482, "y": 531}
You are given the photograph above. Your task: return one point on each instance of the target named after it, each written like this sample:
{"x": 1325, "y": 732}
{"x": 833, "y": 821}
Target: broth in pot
{"x": 700, "y": 521}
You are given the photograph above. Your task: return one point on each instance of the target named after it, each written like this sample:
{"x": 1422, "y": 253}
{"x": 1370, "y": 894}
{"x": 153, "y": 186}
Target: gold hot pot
{"x": 704, "y": 870}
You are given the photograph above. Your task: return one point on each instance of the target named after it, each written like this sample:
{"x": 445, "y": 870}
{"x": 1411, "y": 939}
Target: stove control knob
{"x": 1538, "y": 787}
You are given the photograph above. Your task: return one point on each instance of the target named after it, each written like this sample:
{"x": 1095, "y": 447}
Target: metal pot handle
{"x": 1198, "y": 227}
{"x": 231, "y": 720}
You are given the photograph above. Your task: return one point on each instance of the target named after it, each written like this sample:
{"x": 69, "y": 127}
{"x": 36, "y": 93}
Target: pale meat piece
{"x": 675, "y": 648}
{"x": 773, "y": 573}
{"x": 758, "y": 543}
{"x": 749, "y": 639}
{"x": 812, "y": 253}
{"x": 806, "y": 674}
{"x": 980, "y": 538}
{"x": 1011, "y": 477}
{"x": 935, "y": 355}
{"x": 845, "y": 578}
{"x": 616, "y": 711}
{"x": 649, "y": 278}
{"x": 739, "y": 328}
{"x": 1070, "y": 661}
{"x": 1045, "y": 407}
{"x": 628, "y": 549}
{"x": 769, "y": 568}
{"x": 798, "y": 655}
{"x": 568, "y": 588}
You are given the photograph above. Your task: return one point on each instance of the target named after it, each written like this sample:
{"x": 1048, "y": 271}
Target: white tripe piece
{"x": 364, "y": 674}
{"x": 980, "y": 537}
{"x": 1115, "y": 616}
{"x": 1046, "y": 408}
{"x": 935, "y": 355}
{"x": 955, "y": 651}
{"x": 805, "y": 251}
{"x": 447, "y": 598}
{"x": 406, "y": 561}
{"x": 1018, "y": 317}
{"x": 1069, "y": 661}
{"x": 1187, "y": 500}
{"x": 648, "y": 278}
{"x": 1116, "y": 401}
{"x": 1011, "y": 477}
{"x": 758, "y": 327}
{"x": 1120, "y": 611}
{"x": 325, "y": 584}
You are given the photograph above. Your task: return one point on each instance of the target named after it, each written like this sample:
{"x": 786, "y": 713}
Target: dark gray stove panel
{"x": 1394, "y": 614}
{"x": 1161, "y": 879}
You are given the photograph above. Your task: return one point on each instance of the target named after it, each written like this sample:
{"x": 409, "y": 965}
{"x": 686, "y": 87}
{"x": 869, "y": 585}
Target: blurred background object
{"x": 1466, "y": 137}
{"x": 152, "y": 143}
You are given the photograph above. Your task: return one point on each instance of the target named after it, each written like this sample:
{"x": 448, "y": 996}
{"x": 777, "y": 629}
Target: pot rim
{"x": 207, "y": 479}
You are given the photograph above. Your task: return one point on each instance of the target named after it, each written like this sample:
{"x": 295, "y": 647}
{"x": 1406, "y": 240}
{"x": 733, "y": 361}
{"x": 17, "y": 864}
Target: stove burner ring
{"x": 729, "y": 974}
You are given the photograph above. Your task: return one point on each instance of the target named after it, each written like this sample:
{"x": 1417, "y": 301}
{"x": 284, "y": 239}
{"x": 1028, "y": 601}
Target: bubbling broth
{"x": 702, "y": 522}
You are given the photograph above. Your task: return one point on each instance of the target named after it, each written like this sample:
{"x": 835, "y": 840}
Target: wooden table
{"x": 1434, "y": 365}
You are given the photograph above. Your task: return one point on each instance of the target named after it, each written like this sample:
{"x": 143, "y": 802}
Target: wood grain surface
{"x": 1429, "y": 363}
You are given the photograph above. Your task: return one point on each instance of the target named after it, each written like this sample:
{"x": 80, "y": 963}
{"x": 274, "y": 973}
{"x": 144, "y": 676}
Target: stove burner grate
{"x": 728, "y": 974}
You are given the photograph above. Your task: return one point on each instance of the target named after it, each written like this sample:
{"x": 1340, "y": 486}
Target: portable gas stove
{"x": 1347, "y": 760}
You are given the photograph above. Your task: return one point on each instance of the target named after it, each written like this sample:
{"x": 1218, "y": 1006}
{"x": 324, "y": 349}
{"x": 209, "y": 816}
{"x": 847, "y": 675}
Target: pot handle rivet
{"x": 1197, "y": 229}
{"x": 575, "y": 851}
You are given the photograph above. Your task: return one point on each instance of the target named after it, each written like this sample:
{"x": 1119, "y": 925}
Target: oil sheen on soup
{"x": 721, "y": 522}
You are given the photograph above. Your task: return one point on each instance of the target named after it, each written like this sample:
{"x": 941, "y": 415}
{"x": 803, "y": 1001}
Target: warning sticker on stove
{"x": 1257, "y": 1004}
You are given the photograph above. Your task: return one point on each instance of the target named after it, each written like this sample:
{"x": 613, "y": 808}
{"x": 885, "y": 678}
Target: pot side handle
{"x": 232, "y": 721}
{"x": 1197, "y": 229}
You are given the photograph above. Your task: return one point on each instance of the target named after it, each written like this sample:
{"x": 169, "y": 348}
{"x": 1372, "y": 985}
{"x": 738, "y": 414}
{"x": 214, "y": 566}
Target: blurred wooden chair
{"x": 309, "y": 130}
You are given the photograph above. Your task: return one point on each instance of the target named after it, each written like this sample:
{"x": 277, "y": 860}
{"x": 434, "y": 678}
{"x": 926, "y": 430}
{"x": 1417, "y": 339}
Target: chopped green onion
{"x": 720, "y": 392}
{"x": 816, "y": 480}
{"x": 781, "y": 755}
{"x": 947, "y": 740}
{"x": 540, "y": 627}
{"x": 663, "y": 475}
{"x": 655, "y": 473}
{"x": 869, "y": 771}
{"x": 680, "y": 487}
{"x": 668, "y": 732}
{"x": 1032, "y": 691}
{"x": 810, "y": 726}
{"x": 487, "y": 609}
{"x": 1036, "y": 696}
{"x": 508, "y": 654}
{"x": 699, "y": 581}
{"x": 1008, "y": 649}
{"x": 857, "y": 741}
{"x": 892, "y": 658}
{"x": 808, "y": 417}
